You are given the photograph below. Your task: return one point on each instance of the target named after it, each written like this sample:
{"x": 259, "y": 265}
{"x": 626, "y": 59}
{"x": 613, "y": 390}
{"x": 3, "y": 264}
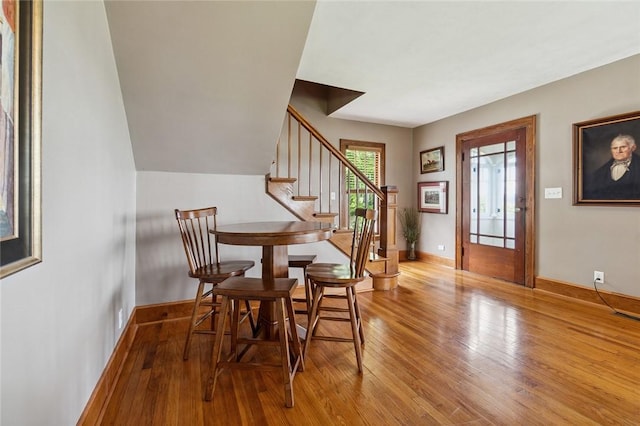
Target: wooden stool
{"x": 302, "y": 261}
{"x": 278, "y": 291}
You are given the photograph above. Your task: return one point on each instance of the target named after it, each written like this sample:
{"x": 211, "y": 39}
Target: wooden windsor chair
{"x": 342, "y": 276}
{"x": 205, "y": 265}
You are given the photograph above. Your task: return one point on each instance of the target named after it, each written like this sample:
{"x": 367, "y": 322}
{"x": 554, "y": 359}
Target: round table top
{"x": 273, "y": 233}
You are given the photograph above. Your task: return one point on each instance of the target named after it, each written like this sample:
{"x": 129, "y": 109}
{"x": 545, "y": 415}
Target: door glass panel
{"x": 510, "y": 195}
{"x": 491, "y": 241}
{"x": 492, "y": 149}
{"x": 491, "y": 191}
{"x": 473, "y": 192}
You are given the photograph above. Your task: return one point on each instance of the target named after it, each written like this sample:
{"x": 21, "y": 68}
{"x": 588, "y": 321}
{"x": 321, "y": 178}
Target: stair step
{"x": 304, "y": 197}
{"x": 283, "y": 179}
{"x": 325, "y": 214}
{"x": 374, "y": 257}
{"x": 343, "y": 231}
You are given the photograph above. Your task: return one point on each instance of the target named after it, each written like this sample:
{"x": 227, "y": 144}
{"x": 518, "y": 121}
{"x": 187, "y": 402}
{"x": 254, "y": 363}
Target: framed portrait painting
{"x": 432, "y": 160}
{"x": 20, "y": 126}
{"x": 432, "y": 197}
{"x": 606, "y": 161}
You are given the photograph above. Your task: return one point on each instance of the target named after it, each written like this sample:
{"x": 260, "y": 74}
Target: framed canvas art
{"x": 20, "y": 124}
{"x": 432, "y": 197}
{"x": 432, "y": 160}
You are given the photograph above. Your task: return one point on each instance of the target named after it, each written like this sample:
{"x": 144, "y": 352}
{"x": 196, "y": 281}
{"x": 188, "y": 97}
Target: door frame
{"x": 529, "y": 124}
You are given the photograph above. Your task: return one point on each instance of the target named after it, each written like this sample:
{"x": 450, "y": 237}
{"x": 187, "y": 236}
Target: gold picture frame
{"x": 600, "y": 146}
{"x": 432, "y": 160}
{"x": 20, "y": 138}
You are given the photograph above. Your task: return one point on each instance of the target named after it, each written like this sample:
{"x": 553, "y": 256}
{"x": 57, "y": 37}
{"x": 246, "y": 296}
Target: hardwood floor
{"x": 445, "y": 347}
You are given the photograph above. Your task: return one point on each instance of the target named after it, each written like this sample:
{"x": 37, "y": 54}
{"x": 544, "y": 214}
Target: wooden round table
{"x": 274, "y": 237}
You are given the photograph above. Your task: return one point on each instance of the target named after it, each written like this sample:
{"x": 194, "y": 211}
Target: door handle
{"x": 518, "y": 209}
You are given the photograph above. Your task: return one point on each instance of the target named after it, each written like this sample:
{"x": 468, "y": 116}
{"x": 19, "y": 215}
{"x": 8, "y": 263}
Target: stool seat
{"x": 278, "y": 291}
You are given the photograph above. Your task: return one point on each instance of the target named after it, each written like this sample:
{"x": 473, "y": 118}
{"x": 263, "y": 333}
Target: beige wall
{"x": 572, "y": 241}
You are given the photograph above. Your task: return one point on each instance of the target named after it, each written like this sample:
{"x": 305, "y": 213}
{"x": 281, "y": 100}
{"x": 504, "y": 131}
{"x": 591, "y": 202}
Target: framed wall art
{"x": 433, "y": 197}
{"x": 432, "y": 160}
{"x": 20, "y": 127}
{"x": 606, "y": 161}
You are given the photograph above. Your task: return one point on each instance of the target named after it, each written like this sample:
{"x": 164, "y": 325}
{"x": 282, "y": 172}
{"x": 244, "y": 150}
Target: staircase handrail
{"x": 335, "y": 152}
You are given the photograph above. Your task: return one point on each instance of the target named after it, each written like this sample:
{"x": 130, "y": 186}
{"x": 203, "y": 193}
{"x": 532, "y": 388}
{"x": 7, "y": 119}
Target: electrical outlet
{"x": 120, "y": 319}
{"x": 441, "y": 247}
{"x": 598, "y": 276}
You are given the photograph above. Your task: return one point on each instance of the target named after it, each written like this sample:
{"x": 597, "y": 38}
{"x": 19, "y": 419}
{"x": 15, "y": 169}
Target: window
{"x": 368, "y": 157}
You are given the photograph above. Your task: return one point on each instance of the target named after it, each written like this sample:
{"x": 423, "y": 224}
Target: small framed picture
{"x": 432, "y": 197}
{"x": 606, "y": 163}
{"x": 432, "y": 160}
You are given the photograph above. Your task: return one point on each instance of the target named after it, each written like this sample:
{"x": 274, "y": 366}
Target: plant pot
{"x": 411, "y": 254}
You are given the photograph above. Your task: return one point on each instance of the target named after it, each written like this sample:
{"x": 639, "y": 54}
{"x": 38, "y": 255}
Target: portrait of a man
{"x": 607, "y": 160}
{"x": 619, "y": 177}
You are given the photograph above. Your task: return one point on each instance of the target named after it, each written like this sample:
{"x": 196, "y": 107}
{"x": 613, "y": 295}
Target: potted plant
{"x": 410, "y": 220}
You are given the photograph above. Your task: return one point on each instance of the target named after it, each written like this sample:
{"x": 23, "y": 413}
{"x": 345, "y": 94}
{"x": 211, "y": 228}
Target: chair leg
{"x": 298, "y": 359}
{"x": 284, "y": 354}
{"x": 194, "y": 319}
{"x": 235, "y": 325}
{"x": 217, "y": 350}
{"x": 355, "y": 326}
{"x": 358, "y": 315}
{"x": 308, "y": 293}
{"x": 313, "y": 319}
{"x": 252, "y": 319}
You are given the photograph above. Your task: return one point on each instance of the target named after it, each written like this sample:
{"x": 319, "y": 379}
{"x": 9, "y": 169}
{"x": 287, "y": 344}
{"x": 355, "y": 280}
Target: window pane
{"x": 511, "y": 194}
{"x": 492, "y": 149}
{"x": 473, "y": 195}
{"x": 490, "y": 241}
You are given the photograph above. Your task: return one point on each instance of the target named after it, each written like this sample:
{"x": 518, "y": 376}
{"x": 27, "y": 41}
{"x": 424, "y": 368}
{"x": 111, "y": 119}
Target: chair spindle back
{"x": 362, "y": 236}
{"x": 194, "y": 228}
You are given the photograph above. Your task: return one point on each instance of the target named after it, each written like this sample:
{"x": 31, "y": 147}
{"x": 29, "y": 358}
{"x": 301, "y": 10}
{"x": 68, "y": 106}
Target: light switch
{"x": 553, "y": 193}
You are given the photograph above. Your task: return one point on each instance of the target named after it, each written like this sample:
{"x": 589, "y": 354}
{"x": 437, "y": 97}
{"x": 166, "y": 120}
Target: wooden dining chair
{"x": 276, "y": 290}
{"x": 201, "y": 248}
{"x": 342, "y": 276}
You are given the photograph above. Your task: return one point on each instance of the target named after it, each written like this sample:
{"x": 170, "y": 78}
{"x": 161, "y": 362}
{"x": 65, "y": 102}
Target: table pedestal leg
{"x": 275, "y": 264}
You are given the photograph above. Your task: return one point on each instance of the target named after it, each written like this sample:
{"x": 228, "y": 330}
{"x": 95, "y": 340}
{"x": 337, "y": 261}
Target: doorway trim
{"x": 529, "y": 124}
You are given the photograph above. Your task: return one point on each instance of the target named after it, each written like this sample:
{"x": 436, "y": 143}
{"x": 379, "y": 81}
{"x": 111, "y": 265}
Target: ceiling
{"x": 206, "y": 83}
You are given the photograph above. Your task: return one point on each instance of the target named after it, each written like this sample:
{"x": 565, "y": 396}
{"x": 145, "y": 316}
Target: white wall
{"x": 59, "y": 318}
{"x": 572, "y": 241}
{"x": 161, "y": 265}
